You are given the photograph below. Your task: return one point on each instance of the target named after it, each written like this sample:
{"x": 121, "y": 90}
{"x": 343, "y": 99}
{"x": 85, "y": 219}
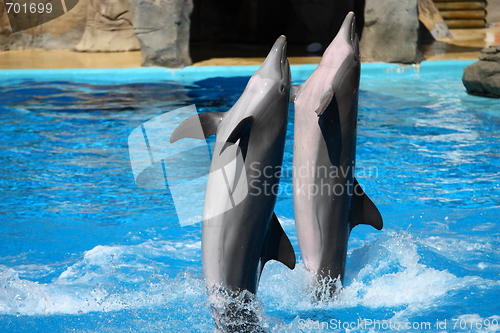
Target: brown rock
{"x": 489, "y": 57}
{"x": 483, "y": 77}
{"x": 491, "y": 49}
{"x": 490, "y": 53}
{"x": 109, "y": 27}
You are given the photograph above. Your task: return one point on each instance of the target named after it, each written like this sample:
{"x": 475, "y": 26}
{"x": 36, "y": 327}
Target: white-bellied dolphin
{"x": 328, "y": 201}
{"x": 240, "y": 232}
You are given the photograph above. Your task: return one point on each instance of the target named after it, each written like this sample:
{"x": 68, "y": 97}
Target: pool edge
{"x": 196, "y": 73}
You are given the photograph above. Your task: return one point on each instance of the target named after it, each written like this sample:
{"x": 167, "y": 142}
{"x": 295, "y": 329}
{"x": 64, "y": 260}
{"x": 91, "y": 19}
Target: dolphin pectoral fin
{"x": 277, "y": 245}
{"x": 240, "y": 132}
{"x": 363, "y": 210}
{"x": 190, "y": 128}
{"x": 326, "y": 99}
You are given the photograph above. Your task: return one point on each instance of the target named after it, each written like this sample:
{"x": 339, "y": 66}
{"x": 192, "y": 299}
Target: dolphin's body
{"x": 328, "y": 202}
{"x": 237, "y": 242}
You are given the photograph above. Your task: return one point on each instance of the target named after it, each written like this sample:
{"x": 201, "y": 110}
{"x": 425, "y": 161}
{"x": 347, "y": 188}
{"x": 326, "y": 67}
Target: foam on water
{"x": 389, "y": 266}
{"x": 382, "y": 275}
{"x": 385, "y": 279}
{"x": 107, "y": 278}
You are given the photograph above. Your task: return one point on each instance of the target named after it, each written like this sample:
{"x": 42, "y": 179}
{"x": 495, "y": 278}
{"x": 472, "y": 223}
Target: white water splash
{"x": 107, "y": 278}
{"x": 384, "y": 274}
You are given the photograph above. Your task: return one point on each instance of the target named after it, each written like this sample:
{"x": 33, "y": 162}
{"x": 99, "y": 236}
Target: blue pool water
{"x": 84, "y": 249}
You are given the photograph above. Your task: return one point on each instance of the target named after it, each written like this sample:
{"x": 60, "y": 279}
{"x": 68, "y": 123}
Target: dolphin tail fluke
{"x": 363, "y": 210}
{"x": 277, "y": 246}
{"x": 190, "y": 128}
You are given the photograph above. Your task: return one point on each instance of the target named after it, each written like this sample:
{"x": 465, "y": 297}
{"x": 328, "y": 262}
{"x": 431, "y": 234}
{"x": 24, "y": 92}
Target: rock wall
{"x": 391, "y": 32}
{"x": 108, "y": 27}
{"x": 162, "y": 27}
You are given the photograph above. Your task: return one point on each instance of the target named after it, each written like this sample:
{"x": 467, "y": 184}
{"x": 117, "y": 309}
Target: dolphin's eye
{"x": 282, "y": 88}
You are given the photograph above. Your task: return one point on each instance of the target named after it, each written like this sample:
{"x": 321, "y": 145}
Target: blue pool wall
{"x": 196, "y": 73}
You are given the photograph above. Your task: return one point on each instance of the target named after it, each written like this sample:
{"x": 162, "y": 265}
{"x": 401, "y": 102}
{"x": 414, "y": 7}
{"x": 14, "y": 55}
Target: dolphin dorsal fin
{"x": 277, "y": 246}
{"x": 238, "y": 132}
{"x": 363, "y": 210}
{"x": 190, "y": 128}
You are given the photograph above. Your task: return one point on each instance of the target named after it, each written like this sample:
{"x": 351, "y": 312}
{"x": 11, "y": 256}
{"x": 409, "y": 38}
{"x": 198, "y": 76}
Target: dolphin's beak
{"x": 275, "y": 62}
{"x": 348, "y": 29}
{"x": 345, "y": 37}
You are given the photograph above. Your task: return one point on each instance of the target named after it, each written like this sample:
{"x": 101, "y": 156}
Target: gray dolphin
{"x": 328, "y": 200}
{"x": 240, "y": 232}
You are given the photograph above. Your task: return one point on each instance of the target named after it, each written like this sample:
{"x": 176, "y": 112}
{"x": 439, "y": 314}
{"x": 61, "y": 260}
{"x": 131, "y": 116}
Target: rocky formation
{"x": 162, "y": 27}
{"x": 483, "y": 77}
{"x": 59, "y": 32}
{"x": 109, "y": 27}
{"x": 391, "y": 32}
